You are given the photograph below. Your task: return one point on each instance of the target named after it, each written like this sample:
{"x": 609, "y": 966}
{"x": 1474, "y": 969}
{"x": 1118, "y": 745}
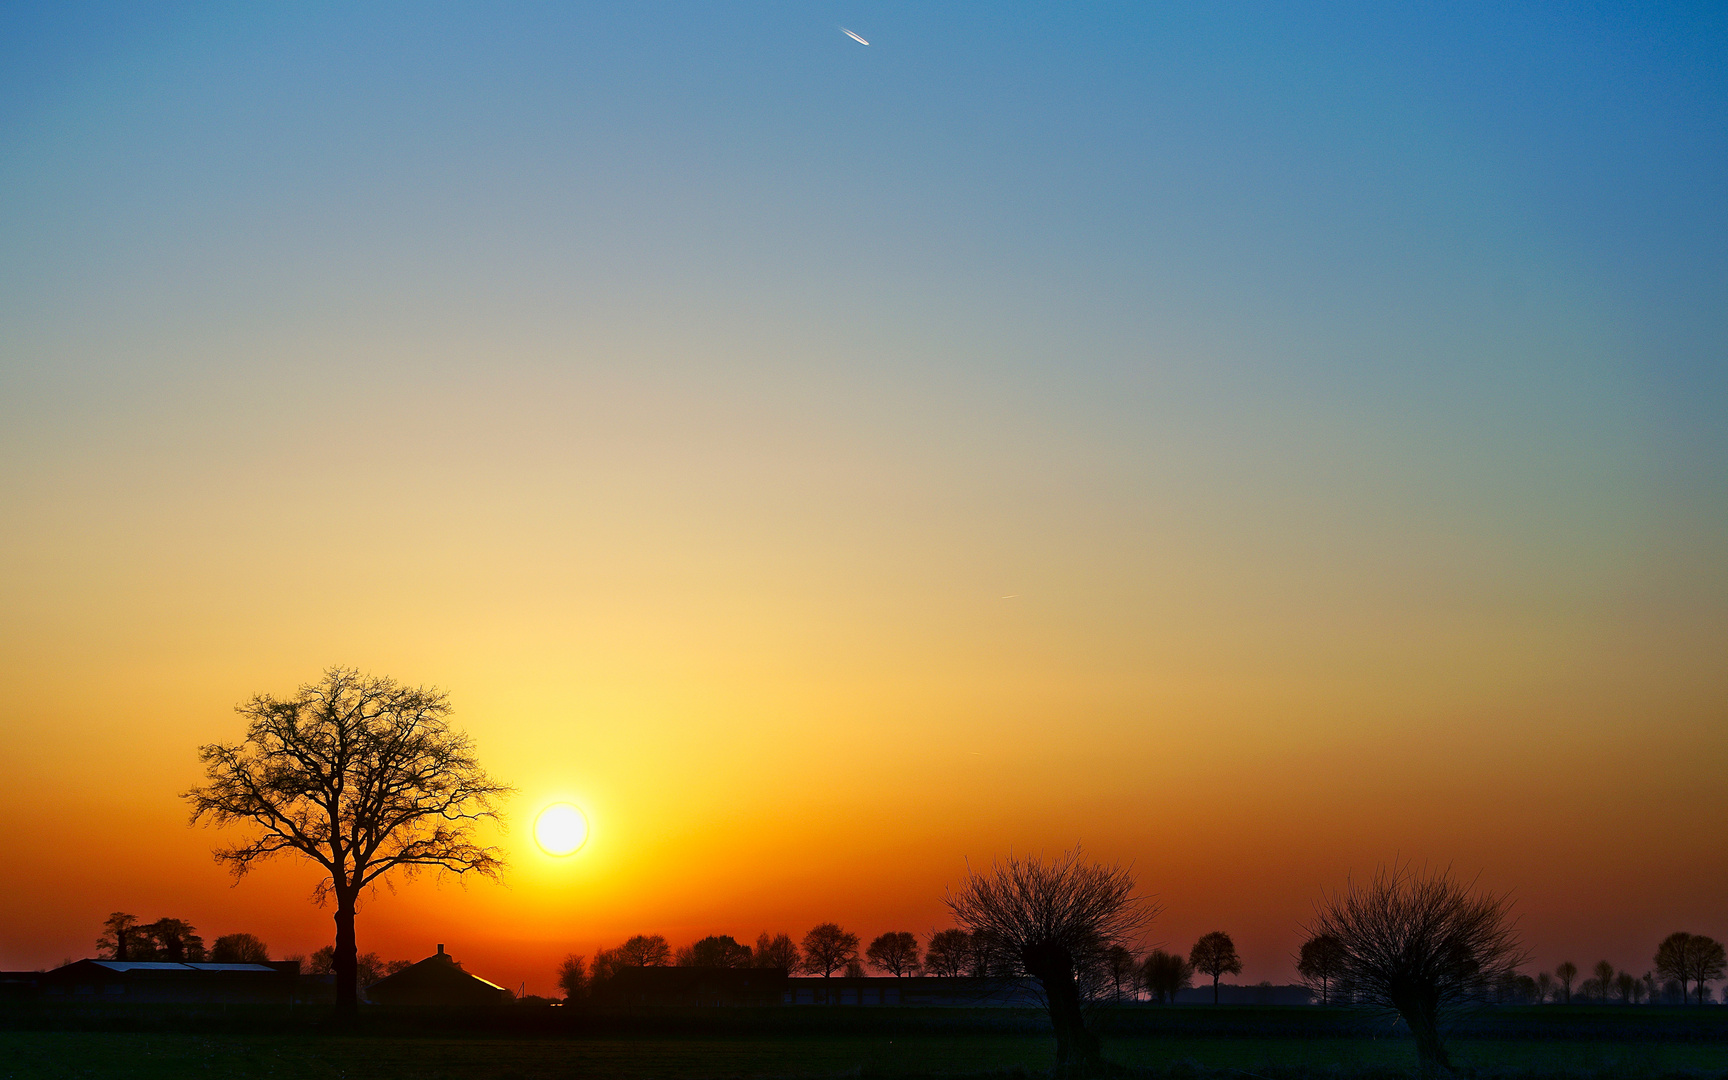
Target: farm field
{"x": 58, "y": 1054}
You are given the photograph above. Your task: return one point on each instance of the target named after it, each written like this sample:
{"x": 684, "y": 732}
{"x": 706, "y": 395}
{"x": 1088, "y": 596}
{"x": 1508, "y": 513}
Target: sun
{"x": 561, "y": 829}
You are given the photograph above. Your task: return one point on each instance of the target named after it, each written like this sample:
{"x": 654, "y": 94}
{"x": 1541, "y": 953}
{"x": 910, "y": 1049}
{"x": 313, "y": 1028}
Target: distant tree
{"x": 1626, "y": 986}
{"x": 238, "y": 949}
{"x": 176, "y": 941}
{"x": 362, "y": 776}
{"x": 1165, "y": 974}
{"x": 949, "y": 954}
{"x": 1544, "y": 987}
{"x": 1604, "y": 979}
{"x": 370, "y": 967}
{"x": 1215, "y": 955}
{"x": 779, "y": 951}
{"x": 117, "y": 935}
{"x": 1320, "y": 961}
{"x": 323, "y": 962}
{"x": 605, "y": 966}
{"x": 895, "y": 952}
{"x": 1692, "y": 958}
{"x": 643, "y": 950}
{"x": 1524, "y": 992}
{"x": 1419, "y": 945}
{"x": 985, "y": 952}
{"x": 716, "y": 950}
{"x": 573, "y": 977}
{"x": 827, "y": 949}
{"x": 1566, "y": 972}
{"x": 1055, "y": 922}
{"x": 855, "y": 969}
{"x": 397, "y": 965}
{"x": 1121, "y": 971}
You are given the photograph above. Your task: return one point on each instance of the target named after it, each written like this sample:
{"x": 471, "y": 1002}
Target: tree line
{"x": 826, "y": 950}
{"x": 1684, "y": 966}
{"x": 177, "y": 941}
{"x": 367, "y": 779}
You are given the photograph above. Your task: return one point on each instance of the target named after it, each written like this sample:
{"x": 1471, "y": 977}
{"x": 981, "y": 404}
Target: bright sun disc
{"x": 560, "y": 829}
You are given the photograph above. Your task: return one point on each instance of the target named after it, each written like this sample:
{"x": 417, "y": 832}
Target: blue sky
{"x": 1355, "y": 366}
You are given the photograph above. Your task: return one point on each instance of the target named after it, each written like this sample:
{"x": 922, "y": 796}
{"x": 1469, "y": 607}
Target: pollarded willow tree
{"x": 1419, "y": 944}
{"x": 1057, "y": 923}
{"x": 362, "y": 776}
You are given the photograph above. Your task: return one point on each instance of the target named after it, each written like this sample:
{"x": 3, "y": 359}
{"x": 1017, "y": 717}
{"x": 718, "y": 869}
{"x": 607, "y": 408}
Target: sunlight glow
{"x": 560, "y": 830}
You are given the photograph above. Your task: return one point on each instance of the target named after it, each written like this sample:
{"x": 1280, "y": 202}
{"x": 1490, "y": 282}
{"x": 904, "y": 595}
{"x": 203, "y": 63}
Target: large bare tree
{"x": 362, "y": 776}
{"x": 1056, "y": 922}
{"x": 1419, "y": 944}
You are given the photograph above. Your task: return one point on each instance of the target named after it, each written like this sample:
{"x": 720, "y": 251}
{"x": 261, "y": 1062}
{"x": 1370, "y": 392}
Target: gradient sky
{"x": 1255, "y": 442}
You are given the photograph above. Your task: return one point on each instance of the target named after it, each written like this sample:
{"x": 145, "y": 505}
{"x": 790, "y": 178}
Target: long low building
{"x": 273, "y": 983}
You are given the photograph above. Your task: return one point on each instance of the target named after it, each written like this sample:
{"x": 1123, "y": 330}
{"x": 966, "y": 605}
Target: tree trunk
{"x": 1214, "y": 989}
{"x": 345, "y": 960}
{"x": 1430, "y": 1054}
{"x": 1077, "y": 1051}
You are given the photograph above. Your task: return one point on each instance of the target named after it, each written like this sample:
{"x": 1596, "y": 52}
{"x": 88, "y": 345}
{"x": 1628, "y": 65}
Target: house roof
{"x": 438, "y": 973}
{"x": 145, "y": 965}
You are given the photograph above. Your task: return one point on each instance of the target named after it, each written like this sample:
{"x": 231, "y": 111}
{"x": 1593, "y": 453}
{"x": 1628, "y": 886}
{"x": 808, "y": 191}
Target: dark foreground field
{"x": 1274, "y": 1045}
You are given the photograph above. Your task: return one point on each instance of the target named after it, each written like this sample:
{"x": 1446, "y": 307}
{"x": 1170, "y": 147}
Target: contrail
{"x": 853, "y": 36}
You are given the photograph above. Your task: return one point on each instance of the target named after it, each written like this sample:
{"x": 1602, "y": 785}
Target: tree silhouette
{"x": 1604, "y": 979}
{"x": 1419, "y": 945}
{"x": 238, "y": 949}
{"x": 895, "y": 952}
{"x": 828, "y": 949}
{"x": 118, "y": 933}
{"x": 1055, "y": 922}
{"x": 175, "y": 941}
{"x": 1687, "y": 958}
{"x": 573, "y": 977}
{"x": 1320, "y": 961}
{"x": 1122, "y": 968}
{"x": 1165, "y": 974}
{"x": 1626, "y": 985}
{"x": 363, "y": 777}
{"x": 368, "y": 967}
{"x": 949, "y": 954}
{"x": 1544, "y": 987}
{"x": 779, "y": 951}
{"x": 1215, "y": 955}
{"x": 716, "y": 950}
{"x": 1566, "y": 972}
{"x": 643, "y": 950}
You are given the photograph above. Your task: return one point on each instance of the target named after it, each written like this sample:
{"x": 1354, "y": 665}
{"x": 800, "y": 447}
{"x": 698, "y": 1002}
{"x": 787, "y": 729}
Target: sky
{"x": 1256, "y": 443}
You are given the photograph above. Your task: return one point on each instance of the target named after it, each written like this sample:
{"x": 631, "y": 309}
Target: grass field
{"x": 316, "y": 1057}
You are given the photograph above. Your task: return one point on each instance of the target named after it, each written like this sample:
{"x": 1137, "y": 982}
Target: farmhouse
{"x": 437, "y": 980}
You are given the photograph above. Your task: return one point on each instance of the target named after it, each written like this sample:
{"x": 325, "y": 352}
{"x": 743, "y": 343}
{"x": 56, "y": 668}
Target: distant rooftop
{"x": 136, "y": 965}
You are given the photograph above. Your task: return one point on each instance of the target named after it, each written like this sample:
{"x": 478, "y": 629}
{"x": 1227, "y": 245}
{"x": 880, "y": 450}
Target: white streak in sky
{"x": 853, "y": 36}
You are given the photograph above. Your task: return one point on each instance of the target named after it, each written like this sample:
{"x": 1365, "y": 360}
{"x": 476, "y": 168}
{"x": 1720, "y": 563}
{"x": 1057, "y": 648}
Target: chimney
{"x": 440, "y": 948}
